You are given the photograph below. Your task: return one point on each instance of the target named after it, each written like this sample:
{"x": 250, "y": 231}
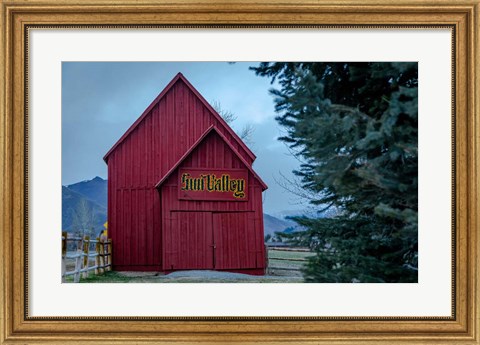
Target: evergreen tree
{"x": 355, "y": 127}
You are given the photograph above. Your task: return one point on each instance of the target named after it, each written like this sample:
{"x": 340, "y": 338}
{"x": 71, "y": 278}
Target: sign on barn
{"x": 200, "y": 184}
{"x": 182, "y": 193}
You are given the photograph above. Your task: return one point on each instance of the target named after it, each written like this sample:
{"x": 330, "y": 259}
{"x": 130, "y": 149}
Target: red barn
{"x": 182, "y": 193}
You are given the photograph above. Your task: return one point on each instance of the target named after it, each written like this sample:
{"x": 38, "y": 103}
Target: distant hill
{"x": 310, "y": 212}
{"x": 94, "y": 192}
{"x": 70, "y": 202}
{"x": 273, "y": 224}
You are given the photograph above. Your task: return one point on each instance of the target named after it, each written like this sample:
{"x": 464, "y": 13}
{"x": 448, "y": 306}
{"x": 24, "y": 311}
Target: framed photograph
{"x": 301, "y": 172}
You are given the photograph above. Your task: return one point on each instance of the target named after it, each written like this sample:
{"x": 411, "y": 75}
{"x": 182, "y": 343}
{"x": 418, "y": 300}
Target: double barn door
{"x": 210, "y": 240}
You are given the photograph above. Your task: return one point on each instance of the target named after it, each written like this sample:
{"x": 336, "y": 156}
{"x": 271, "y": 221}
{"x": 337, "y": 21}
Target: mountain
{"x": 309, "y": 212}
{"x": 94, "y": 190}
{"x": 71, "y": 203}
{"x": 273, "y": 224}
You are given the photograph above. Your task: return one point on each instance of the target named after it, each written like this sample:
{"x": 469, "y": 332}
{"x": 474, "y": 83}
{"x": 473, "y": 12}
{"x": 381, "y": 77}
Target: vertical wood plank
{"x": 78, "y": 262}
{"x": 86, "y": 261}
{"x": 97, "y": 258}
{"x": 102, "y": 258}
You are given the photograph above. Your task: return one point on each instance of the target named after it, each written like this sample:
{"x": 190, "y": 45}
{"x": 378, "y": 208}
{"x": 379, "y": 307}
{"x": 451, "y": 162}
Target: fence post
{"x": 102, "y": 257}
{"x": 64, "y": 254}
{"x": 86, "y": 259}
{"x": 78, "y": 262}
{"x": 97, "y": 258}
{"x": 109, "y": 257}
{"x": 267, "y": 262}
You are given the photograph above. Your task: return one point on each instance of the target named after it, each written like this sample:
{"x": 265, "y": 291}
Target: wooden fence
{"x": 84, "y": 250}
{"x": 277, "y": 265}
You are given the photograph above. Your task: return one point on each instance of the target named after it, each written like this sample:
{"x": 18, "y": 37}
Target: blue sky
{"x": 100, "y": 100}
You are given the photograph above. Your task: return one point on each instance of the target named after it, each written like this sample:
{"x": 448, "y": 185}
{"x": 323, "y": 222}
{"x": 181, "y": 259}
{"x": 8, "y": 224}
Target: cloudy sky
{"x": 100, "y": 100}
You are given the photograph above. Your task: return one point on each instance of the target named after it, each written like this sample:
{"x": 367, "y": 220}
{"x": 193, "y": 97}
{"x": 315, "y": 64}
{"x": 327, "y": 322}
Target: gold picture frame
{"x": 17, "y": 17}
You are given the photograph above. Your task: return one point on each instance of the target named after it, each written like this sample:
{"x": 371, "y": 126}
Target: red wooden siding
{"x": 166, "y": 131}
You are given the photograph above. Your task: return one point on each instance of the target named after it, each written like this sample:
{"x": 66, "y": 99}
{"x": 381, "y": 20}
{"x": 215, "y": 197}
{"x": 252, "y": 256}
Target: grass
{"x": 283, "y": 254}
{"x": 107, "y": 277}
{"x": 279, "y": 259}
{"x": 287, "y": 264}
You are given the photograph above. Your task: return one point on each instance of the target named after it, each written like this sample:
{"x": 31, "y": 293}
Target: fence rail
{"x": 102, "y": 253}
{"x": 286, "y": 260}
{"x": 290, "y": 249}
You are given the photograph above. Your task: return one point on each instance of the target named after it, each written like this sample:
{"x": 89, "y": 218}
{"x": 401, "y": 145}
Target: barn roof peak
{"x": 211, "y": 129}
{"x": 179, "y": 76}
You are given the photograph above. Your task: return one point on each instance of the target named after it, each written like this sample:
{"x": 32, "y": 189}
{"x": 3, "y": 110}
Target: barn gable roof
{"x": 197, "y": 143}
{"x": 181, "y": 77}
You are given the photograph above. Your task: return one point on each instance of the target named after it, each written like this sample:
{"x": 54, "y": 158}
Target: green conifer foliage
{"x": 355, "y": 127}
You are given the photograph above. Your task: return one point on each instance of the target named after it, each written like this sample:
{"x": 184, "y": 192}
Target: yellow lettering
{"x": 212, "y": 183}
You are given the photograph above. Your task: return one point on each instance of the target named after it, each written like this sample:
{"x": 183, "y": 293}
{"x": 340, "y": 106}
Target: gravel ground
{"x": 204, "y": 277}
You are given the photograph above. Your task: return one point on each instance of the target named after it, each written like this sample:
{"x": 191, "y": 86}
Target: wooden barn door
{"x": 206, "y": 240}
{"x": 234, "y": 236}
{"x": 189, "y": 241}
